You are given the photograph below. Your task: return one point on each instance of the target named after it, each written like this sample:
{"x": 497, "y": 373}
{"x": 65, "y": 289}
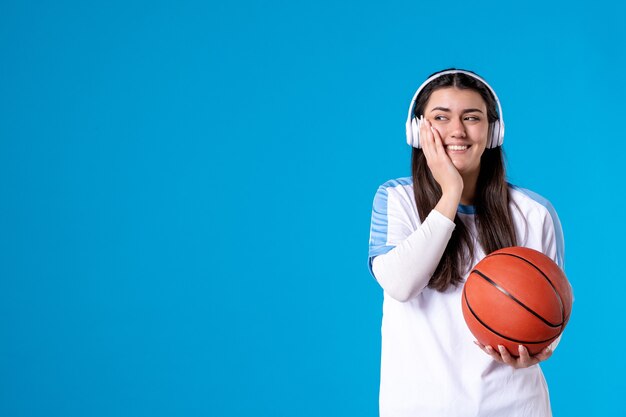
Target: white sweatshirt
{"x": 429, "y": 363}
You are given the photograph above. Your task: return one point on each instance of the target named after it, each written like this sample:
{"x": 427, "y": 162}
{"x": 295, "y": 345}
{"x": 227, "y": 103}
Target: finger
{"x": 438, "y": 141}
{"x": 429, "y": 127}
{"x": 489, "y": 351}
{"x": 506, "y": 356}
{"x": 493, "y": 353}
{"x": 430, "y": 134}
{"x": 424, "y": 142}
{"x": 427, "y": 135}
{"x": 523, "y": 353}
{"x": 544, "y": 354}
{"x": 524, "y": 357}
{"x": 481, "y": 346}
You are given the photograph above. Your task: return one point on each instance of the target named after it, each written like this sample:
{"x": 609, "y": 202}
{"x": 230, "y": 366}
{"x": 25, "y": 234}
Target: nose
{"x": 457, "y": 128}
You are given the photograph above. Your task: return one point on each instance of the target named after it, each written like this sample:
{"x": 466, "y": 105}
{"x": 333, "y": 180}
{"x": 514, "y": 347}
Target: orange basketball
{"x": 517, "y": 296}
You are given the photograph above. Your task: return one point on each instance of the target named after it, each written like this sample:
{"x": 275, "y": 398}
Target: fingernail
{"x": 520, "y": 348}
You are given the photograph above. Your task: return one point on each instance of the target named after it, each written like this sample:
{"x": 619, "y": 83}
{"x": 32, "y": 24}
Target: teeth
{"x": 457, "y": 147}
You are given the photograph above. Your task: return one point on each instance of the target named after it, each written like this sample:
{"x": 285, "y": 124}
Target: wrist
{"x": 452, "y": 193}
{"x": 448, "y": 204}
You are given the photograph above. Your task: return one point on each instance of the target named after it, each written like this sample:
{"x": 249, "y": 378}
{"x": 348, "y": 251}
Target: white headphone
{"x": 496, "y": 129}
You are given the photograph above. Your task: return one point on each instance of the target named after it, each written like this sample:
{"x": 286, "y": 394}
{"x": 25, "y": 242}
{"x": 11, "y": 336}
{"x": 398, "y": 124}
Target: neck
{"x": 469, "y": 188}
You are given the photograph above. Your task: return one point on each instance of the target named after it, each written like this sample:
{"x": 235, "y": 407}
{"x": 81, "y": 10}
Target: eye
{"x": 440, "y": 117}
{"x": 472, "y": 118}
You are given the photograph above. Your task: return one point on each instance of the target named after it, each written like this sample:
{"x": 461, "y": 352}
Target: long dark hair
{"x": 493, "y": 217}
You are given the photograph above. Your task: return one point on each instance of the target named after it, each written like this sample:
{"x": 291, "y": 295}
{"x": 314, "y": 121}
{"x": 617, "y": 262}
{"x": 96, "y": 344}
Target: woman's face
{"x": 460, "y": 117}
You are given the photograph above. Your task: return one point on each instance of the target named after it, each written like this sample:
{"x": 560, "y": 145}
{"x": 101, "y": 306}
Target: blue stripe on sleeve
{"x": 379, "y": 227}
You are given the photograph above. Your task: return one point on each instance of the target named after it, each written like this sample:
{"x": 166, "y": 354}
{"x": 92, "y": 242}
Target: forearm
{"x": 405, "y": 271}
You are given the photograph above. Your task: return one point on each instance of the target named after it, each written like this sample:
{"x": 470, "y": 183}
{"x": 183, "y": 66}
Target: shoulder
{"x": 398, "y": 189}
{"x": 529, "y": 201}
{"x": 394, "y": 215}
{"x": 397, "y": 182}
{"x": 394, "y": 203}
{"x": 540, "y": 215}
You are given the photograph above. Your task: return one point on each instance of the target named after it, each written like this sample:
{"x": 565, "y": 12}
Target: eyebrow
{"x": 463, "y": 112}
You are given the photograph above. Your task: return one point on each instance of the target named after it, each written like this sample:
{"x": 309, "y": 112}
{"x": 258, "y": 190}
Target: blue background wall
{"x": 186, "y": 188}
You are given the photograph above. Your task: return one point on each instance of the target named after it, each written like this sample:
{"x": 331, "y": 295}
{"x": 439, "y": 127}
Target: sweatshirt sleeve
{"x": 552, "y": 241}
{"x": 403, "y": 255}
{"x": 553, "y": 244}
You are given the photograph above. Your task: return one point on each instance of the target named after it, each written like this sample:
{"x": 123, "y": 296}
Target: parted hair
{"x": 494, "y": 224}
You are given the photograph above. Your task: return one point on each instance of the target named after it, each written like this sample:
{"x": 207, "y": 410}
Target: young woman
{"x": 427, "y": 231}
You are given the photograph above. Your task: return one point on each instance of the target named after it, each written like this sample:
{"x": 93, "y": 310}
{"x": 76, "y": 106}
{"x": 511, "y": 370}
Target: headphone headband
{"x": 496, "y": 134}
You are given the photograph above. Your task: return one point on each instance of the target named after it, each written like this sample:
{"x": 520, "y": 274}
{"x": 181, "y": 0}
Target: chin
{"x": 465, "y": 170}
{"x": 460, "y": 166}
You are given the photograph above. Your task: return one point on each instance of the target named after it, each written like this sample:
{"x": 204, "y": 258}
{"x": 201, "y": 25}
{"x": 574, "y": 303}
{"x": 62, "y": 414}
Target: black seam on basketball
{"x": 542, "y": 273}
{"x": 485, "y": 325}
{"x": 512, "y": 297}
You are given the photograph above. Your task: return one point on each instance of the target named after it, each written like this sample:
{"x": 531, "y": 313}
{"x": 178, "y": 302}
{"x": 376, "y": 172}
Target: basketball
{"x": 517, "y": 296}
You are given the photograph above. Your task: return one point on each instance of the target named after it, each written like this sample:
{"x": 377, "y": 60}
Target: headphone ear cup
{"x": 495, "y": 134}
{"x": 415, "y": 124}
{"x": 409, "y": 131}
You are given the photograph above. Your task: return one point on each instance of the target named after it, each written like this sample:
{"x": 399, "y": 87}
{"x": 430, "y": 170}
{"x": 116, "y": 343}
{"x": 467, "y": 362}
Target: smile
{"x": 457, "y": 147}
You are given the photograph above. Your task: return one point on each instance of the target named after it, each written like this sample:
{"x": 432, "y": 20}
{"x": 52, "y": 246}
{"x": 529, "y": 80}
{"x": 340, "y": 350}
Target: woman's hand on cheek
{"x": 440, "y": 164}
{"x": 524, "y": 360}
